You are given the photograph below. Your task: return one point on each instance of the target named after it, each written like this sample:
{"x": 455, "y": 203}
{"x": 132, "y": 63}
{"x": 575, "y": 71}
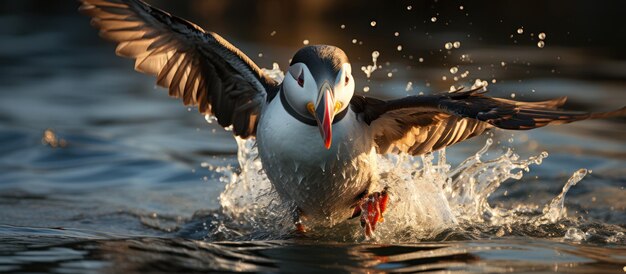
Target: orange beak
{"x": 324, "y": 114}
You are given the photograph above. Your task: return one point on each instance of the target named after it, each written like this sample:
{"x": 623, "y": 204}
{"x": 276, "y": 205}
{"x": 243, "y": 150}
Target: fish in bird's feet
{"x": 315, "y": 99}
{"x": 371, "y": 209}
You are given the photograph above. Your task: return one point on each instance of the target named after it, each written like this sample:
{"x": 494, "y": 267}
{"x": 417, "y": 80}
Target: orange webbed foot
{"x": 371, "y": 209}
{"x": 300, "y": 228}
{"x": 298, "y": 216}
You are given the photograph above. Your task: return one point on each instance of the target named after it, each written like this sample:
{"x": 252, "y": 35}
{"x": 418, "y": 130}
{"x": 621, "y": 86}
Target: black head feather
{"x": 323, "y": 61}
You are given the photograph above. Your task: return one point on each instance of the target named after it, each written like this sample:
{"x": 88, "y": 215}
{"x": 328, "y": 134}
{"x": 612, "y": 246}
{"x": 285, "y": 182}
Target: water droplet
{"x": 574, "y": 234}
{"x": 396, "y": 34}
{"x": 373, "y": 23}
{"x": 343, "y": 26}
{"x": 541, "y": 44}
{"x": 480, "y": 83}
{"x": 50, "y": 138}
{"x": 454, "y": 70}
{"x": 542, "y": 35}
{"x": 399, "y": 48}
{"x": 433, "y": 19}
{"x": 456, "y": 44}
{"x": 371, "y": 68}
{"x": 210, "y": 119}
{"x": 306, "y": 42}
{"x": 409, "y": 86}
{"x": 366, "y": 89}
{"x": 520, "y": 30}
{"x": 448, "y": 45}
{"x": 409, "y": 7}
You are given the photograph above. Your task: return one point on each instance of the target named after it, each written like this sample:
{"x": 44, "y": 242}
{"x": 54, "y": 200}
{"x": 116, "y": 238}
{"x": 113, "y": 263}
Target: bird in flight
{"x": 328, "y": 179}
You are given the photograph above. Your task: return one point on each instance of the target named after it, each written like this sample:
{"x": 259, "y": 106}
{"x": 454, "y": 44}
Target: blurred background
{"x": 120, "y": 154}
{"x": 582, "y": 39}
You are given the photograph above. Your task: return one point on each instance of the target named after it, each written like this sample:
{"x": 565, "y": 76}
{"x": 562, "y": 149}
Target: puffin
{"x": 329, "y": 179}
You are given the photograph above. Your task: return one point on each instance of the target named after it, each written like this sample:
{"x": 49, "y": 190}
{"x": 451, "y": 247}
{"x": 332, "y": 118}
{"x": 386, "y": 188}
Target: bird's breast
{"x": 322, "y": 182}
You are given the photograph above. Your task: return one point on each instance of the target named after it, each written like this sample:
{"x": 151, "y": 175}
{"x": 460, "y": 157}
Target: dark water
{"x": 121, "y": 187}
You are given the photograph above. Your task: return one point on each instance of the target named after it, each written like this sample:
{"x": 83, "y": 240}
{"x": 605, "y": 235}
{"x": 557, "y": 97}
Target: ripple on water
{"x": 156, "y": 255}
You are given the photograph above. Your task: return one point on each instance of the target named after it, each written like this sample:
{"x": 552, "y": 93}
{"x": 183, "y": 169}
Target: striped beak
{"x": 325, "y": 113}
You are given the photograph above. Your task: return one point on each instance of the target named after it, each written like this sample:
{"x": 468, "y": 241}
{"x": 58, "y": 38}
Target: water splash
{"x": 472, "y": 182}
{"x": 275, "y": 72}
{"x": 429, "y": 197}
{"x": 556, "y": 210}
{"x": 250, "y": 198}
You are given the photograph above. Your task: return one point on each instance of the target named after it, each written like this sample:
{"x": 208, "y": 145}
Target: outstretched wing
{"x": 421, "y": 124}
{"x": 199, "y": 67}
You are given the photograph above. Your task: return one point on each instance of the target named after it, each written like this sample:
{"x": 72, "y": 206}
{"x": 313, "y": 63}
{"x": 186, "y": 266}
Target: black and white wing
{"x": 421, "y": 124}
{"x": 199, "y": 67}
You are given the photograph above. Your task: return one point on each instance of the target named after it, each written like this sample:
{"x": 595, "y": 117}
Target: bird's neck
{"x": 306, "y": 120}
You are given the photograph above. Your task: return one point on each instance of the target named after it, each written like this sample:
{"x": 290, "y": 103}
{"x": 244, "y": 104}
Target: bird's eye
{"x": 301, "y": 79}
{"x": 347, "y": 80}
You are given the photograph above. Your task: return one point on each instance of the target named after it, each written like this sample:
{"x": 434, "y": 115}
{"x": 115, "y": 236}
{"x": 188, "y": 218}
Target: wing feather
{"x": 422, "y": 124}
{"x": 201, "y": 68}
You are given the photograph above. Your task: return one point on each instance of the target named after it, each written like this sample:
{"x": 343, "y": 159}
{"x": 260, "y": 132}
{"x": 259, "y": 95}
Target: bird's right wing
{"x": 201, "y": 68}
{"x": 421, "y": 124}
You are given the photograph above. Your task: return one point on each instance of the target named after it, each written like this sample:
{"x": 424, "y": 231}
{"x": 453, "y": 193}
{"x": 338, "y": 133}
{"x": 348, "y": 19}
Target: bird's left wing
{"x": 201, "y": 68}
{"x": 421, "y": 124}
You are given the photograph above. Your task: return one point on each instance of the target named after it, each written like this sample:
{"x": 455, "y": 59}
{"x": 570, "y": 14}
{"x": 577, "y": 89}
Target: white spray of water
{"x": 427, "y": 195}
{"x": 556, "y": 208}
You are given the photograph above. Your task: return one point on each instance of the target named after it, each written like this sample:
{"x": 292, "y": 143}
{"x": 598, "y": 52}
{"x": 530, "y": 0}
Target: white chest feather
{"x": 322, "y": 183}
